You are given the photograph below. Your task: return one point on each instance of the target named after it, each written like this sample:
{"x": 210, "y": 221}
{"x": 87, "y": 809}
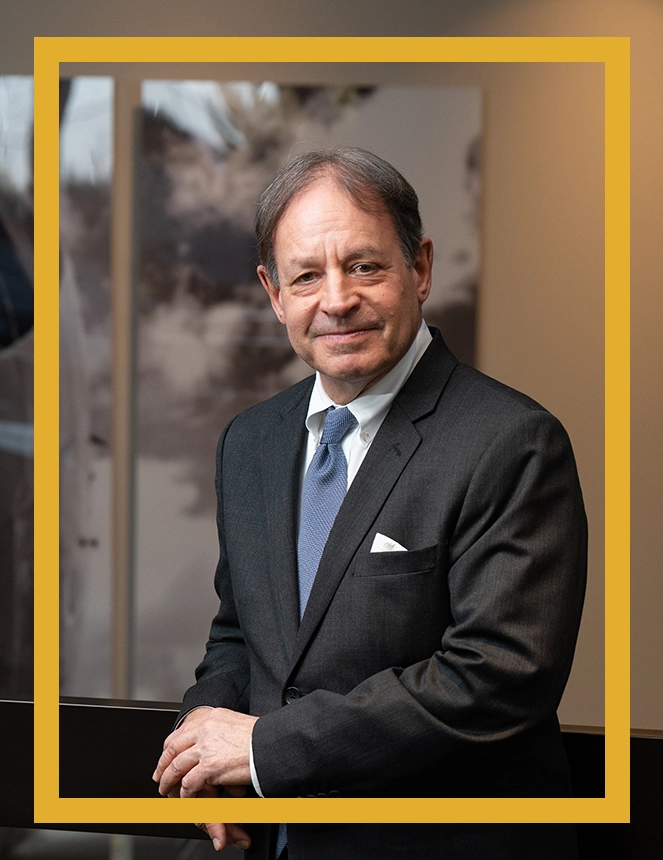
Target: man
{"x": 411, "y": 637}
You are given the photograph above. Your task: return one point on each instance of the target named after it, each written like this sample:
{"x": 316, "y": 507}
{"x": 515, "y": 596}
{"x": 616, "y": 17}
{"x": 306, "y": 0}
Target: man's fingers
{"x": 209, "y": 791}
{"x": 218, "y": 833}
{"x": 174, "y": 792}
{"x": 182, "y": 738}
{"x": 193, "y": 783}
{"x": 177, "y": 771}
{"x": 174, "y": 744}
{"x": 238, "y": 837}
{"x": 236, "y": 790}
{"x": 227, "y": 834}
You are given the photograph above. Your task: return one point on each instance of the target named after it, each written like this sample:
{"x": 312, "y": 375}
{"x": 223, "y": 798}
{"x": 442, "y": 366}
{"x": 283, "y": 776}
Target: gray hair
{"x": 373, "y": 184}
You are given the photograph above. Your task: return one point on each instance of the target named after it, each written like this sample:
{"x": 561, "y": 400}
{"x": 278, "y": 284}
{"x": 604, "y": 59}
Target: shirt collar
{"x": 370, "y": 407}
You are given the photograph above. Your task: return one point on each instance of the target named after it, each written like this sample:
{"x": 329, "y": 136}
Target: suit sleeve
{"x": 222, "y": 678}
{"x": 516, "y": 579}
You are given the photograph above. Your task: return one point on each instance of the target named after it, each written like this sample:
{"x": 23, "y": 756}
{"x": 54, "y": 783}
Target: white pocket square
{"x": 382, "y": 543}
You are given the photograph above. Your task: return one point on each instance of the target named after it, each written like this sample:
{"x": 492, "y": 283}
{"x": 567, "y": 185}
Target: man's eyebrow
{"x": 362, "y": 253}
{"x": 296, "y": 263}
{"x": 368, "y": 251}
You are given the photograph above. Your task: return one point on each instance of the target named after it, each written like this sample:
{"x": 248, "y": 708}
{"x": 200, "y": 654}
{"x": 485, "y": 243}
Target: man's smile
{"x": 345, "y": 335}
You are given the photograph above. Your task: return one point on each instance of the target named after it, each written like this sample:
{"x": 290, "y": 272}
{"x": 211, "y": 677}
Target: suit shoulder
{"x": 481, "y": 420}
{"x": 447, "y": 390}
{"x": 487, "y": 393}
{"x": 478, "y": 409}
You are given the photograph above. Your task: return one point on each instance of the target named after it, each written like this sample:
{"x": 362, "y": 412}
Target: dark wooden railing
{"x": 109, "y": 749}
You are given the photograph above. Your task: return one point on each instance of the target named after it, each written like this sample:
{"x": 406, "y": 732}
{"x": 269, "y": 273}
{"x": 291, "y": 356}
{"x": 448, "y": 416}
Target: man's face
{"x": 351, "y": 305}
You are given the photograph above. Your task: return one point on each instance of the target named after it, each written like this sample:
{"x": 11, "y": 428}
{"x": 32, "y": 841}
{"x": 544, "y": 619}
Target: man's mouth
{"x": 349, "y": 334}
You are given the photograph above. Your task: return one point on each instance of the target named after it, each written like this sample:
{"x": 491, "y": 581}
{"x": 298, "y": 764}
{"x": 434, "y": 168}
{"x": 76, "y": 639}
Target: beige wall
{"x": 541, "y": 300}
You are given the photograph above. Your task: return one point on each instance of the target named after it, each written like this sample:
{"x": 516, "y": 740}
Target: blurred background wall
{"x": 541, "y": 297}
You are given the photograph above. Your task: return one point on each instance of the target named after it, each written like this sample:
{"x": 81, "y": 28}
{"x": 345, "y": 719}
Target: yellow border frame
{"x": 614, "y": 53}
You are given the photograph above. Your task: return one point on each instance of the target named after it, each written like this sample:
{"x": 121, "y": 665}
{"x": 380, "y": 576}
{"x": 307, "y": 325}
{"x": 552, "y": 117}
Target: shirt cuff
{"x": 254, "y": 774}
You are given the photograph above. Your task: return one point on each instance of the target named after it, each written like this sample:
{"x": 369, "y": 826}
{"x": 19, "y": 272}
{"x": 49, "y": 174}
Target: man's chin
{"x": 347, "y": 370}
{"x": 343, "y": 381}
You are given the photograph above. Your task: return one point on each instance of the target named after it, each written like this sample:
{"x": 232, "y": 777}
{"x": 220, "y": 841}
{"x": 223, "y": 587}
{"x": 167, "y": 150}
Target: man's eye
{"x": 305, "y": 278}
{"x": 364, "y": 268}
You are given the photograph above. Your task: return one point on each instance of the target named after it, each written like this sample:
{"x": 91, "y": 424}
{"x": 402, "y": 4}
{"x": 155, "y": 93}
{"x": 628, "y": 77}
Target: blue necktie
{"x": 325, "y": 486}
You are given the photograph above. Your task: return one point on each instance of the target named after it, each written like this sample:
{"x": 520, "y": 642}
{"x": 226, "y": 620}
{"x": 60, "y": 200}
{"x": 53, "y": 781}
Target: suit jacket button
{"x": 291, "y": 695}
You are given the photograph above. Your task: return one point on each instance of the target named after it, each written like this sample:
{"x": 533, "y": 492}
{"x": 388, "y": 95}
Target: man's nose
{"x": 339, "y": 294}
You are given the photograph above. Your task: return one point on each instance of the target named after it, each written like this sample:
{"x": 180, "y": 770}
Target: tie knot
{"x": 337, "y": 422}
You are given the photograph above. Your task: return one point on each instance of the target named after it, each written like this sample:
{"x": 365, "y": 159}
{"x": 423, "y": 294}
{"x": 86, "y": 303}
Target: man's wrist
{"x": 184, "y": 716}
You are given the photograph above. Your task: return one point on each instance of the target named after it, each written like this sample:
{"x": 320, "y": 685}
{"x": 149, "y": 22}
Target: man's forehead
{"x": 368, "y": 202}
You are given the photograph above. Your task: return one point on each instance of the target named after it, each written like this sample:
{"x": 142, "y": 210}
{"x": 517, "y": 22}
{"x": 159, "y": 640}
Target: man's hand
{"x": 226, "y": 834}
{"x": 210, "y": 748}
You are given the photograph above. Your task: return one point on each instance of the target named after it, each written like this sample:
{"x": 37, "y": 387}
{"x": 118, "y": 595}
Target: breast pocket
{"x": 403, "y": 600}
{"x": 398, "y": 563}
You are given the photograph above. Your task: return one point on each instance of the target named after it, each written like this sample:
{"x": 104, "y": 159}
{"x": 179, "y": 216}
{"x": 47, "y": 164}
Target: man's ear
{"x": 273, "y": 292}
{"x": 423, "y": 268}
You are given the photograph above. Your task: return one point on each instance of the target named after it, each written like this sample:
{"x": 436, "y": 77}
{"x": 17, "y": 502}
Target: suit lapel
{"x": 393, "y": 447}
{"x": 281, "y": 454}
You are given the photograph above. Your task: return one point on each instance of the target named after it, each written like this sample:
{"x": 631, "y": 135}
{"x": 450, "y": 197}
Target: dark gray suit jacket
{"x": 431, "y": 672}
